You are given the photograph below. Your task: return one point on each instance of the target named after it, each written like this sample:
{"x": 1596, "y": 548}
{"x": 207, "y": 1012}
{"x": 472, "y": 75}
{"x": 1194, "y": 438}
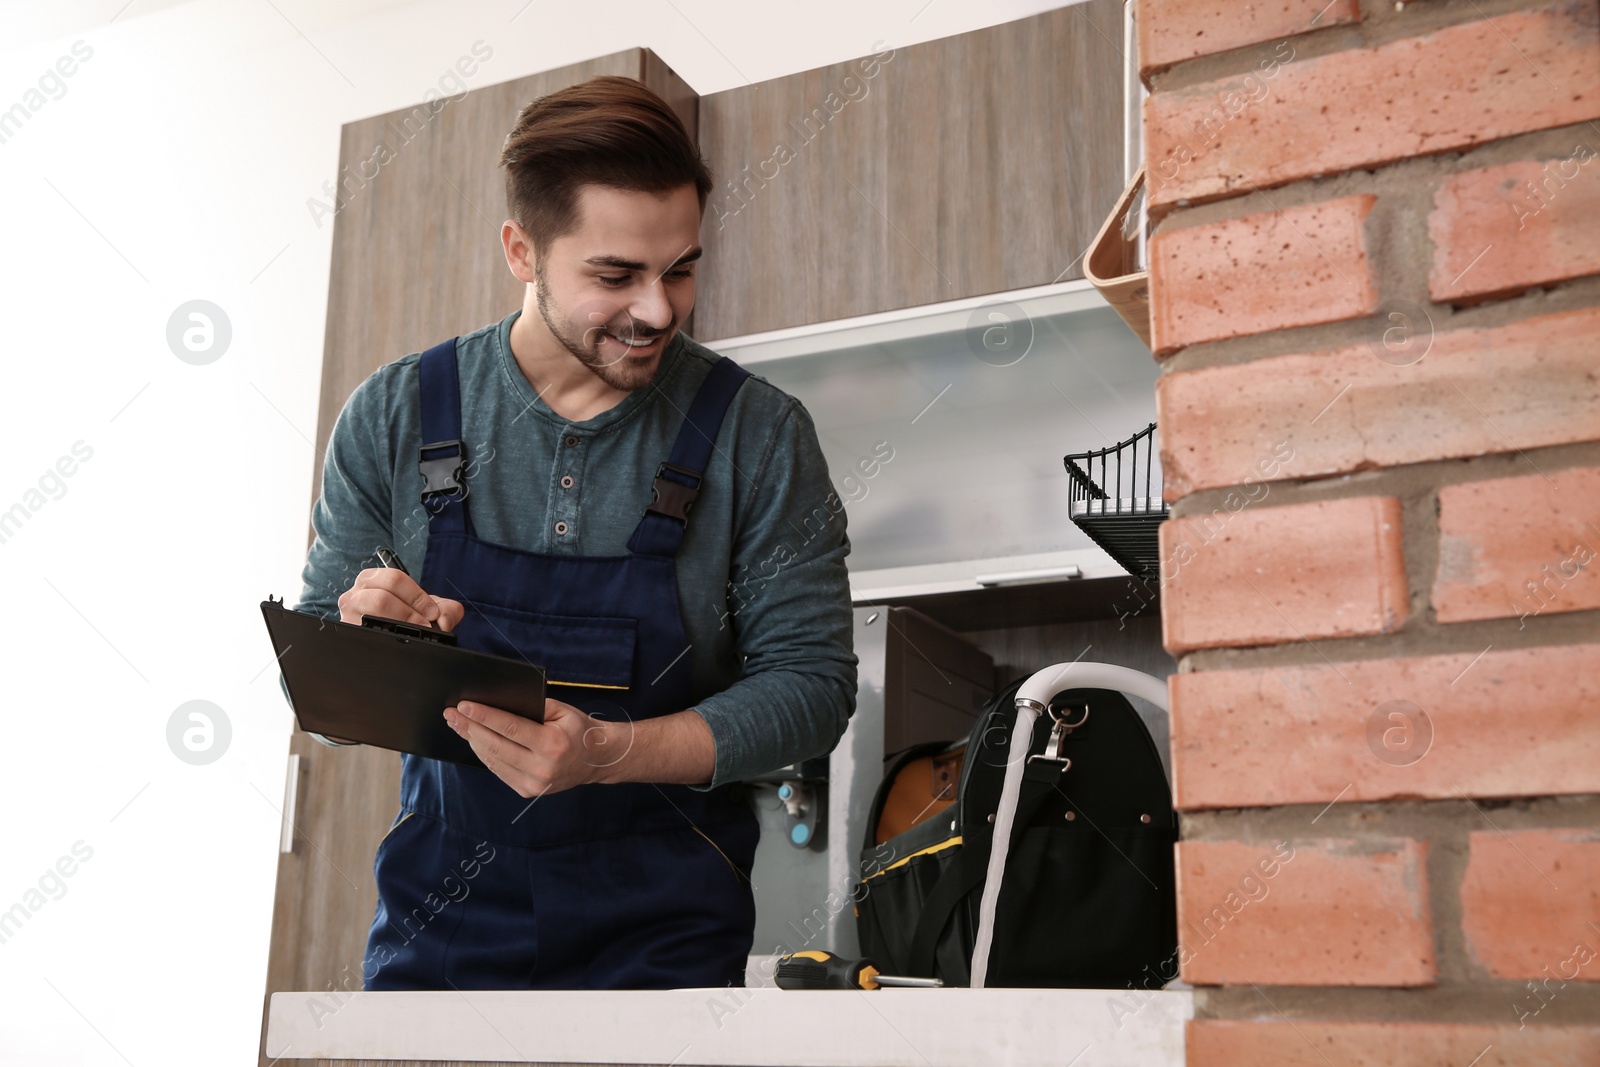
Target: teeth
{"x": 632, "y": 344}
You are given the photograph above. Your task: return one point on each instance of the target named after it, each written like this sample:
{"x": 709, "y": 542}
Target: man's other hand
{"x": 393, "y": 594}
{"x": 569, "y": 748}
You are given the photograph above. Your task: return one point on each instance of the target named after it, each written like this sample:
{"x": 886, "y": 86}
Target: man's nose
{"x": 650, "y": 308}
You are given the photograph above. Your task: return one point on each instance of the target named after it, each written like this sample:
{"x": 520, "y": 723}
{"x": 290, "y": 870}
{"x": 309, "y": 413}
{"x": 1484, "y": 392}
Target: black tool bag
{"x": 1088, "y": 898}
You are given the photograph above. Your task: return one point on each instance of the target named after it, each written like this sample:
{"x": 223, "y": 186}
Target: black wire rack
{"x": 1116, "y": 500}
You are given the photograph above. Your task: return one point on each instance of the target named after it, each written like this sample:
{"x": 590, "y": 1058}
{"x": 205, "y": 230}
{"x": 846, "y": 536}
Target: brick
{"x": 1299, "y": 118}
{"x": 1237, "y": 577}
{"x": 1262, "y": 272}
{"x": 1357, "y": 909}
{"x": 1519, "y": 546}
{"x": 1500, "y": 230}
{"x": 1490, "y": 724}
{"x": 1316, "y": 1043}
{"x": 1523, "y": 385}
{"x": 1530, "y": 900}
{"x": 1171, "y": 31}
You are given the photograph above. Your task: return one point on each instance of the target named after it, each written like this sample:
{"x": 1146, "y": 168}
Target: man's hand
{"x": 569, "y": 748}
{"x": 393, "y": 594}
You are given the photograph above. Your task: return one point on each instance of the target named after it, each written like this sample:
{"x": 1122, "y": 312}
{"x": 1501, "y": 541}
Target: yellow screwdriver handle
{"x": 819, "y": 969}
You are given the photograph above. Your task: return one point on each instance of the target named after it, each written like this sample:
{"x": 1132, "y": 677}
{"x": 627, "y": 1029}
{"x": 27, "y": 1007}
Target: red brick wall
{"x": 1375, "y": 293}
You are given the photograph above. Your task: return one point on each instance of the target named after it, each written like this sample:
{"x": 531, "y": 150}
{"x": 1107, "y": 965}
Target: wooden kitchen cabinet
{"x": 976, "y": 164}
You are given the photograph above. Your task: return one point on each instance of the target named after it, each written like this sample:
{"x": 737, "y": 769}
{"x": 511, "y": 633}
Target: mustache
{"x": 630, "y": 332}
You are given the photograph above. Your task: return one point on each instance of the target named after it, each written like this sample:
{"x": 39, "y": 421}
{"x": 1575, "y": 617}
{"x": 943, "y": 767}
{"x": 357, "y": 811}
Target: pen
{"x": 387, "y": 557}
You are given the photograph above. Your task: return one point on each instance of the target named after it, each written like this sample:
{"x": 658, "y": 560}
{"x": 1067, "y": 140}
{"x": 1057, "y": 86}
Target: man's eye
{"x": 686, "y": 272}
{"x": 612, "y": 282}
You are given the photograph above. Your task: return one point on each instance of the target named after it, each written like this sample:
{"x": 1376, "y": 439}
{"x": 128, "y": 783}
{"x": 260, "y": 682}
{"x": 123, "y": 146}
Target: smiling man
{"x": 625, "y": 479}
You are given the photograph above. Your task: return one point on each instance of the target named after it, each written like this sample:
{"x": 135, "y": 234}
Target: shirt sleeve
{"x": 789, "y": 606}
{"x": 351, "y": 516}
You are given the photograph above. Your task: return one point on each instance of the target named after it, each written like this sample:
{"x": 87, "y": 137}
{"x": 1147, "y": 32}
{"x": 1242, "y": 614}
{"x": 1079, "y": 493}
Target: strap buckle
{"x": 674, "y": 499}
{"x": 1058, "y": 732}
{"x": 442, "y": 475}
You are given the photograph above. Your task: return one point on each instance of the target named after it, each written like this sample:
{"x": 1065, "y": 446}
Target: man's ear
{"x": 519, "y": 250}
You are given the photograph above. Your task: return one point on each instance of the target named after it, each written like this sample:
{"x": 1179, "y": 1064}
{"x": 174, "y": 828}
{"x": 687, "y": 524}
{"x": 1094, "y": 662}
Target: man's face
{"x": 616, "y": 289}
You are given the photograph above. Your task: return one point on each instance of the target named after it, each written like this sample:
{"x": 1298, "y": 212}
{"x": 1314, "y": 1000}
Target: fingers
{"x": 532, "y": 758}
{"x": 389, "y": 593}
{"x": 480, "y": 725}
{"x": 507, "y": 724}
{"x": 451, "y": 612}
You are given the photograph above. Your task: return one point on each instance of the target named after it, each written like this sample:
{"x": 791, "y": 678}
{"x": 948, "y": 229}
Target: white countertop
{"x": 739, "y": 1027}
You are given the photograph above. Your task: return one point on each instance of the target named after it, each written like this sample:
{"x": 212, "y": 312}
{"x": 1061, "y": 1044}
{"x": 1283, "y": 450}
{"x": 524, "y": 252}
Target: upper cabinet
{"x": 976, "y": 164}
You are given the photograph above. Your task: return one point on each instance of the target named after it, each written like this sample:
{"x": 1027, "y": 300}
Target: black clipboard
{"x": 386, "y": 683}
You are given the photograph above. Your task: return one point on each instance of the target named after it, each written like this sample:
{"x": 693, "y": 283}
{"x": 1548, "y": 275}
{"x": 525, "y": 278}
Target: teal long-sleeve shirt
{"x": 763, "y": 590}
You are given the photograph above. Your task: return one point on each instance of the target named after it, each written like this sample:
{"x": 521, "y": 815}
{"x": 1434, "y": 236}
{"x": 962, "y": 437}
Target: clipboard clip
{"x": 406, "y": 629}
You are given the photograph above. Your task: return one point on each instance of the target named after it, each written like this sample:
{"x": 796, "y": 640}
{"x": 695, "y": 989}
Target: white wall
{"x": 175, "y": 164}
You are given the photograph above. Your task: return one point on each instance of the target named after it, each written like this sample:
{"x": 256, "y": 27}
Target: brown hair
{"x": 609, "y": 131}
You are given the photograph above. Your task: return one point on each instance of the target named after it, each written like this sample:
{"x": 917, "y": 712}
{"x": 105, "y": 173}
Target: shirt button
{"x": 572, "y": 440}
{"x": 561, "y": 527}
{"x": 566, "y": 481}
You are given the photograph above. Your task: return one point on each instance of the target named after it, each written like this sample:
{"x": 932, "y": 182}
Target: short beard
{"x": 622, "y": 375}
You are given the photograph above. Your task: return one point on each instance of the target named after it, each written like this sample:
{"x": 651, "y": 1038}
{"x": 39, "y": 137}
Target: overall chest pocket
{"x": 577, "y": 651}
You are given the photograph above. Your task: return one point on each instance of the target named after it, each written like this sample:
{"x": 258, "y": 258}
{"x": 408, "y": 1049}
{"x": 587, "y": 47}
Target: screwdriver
{"x": 819, "y": 969}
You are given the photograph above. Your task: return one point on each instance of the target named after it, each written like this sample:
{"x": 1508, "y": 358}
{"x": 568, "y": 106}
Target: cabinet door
{"x": 416, "y": 259}
{"x": 974, "y": 164}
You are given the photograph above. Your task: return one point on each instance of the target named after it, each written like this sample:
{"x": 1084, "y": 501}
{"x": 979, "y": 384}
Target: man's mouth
{"x": 634, "y": 343}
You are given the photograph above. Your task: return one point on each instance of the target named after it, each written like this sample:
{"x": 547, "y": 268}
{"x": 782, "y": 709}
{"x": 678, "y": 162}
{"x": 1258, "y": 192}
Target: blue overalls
{"x": 629, "y": 886}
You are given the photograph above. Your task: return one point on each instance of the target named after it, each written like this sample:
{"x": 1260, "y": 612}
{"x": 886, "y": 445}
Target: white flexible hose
{"x": 1021, "y": 736}
{"x": 1039, "y": 688}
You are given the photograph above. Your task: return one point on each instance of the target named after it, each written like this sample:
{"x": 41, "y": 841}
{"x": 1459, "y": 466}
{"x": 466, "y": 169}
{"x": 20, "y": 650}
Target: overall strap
{"x": 442, "y": 458}
{"x": 678, "y": 480}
